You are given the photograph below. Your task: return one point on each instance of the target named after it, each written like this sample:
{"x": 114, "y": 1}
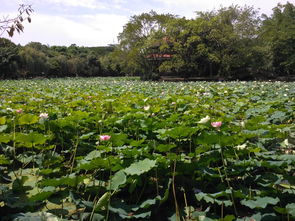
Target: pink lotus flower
{"x": 104, "y": 137}
{"x": 19, "y": 111}
{"x": 216, "y": 124}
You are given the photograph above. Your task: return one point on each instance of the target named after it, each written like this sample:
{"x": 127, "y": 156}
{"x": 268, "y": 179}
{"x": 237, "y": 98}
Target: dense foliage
{"x": 38, "y": 60}
{"x": 232, "y": 43}
{"x": 113, "y": 149}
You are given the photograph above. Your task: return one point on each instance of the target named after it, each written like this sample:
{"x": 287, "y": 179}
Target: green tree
{"x": 113, "y": 63}
{"x": 9, "y": 59}
{"x": 218, "y": 43}
{"x": 39, "y": 47}
{"x": 57, "y": 66}
{"x": 33, "y": 62}
{"x": 76, "y": 66}
{"x": 233, "y": 39}
{"x": 178, "y": 39}
{"x": 133, "y": 40}
{"x": 93, "y": 65}
{"x": 278, "y": 35}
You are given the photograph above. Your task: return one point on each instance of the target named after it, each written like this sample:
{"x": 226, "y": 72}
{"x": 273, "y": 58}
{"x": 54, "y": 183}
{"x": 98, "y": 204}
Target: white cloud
{"x": 63, "y": 22}
{"x": 87, "y": 4}
{"x": 94, "y": 4}
{"x": 92, "y": 30}
{"x": 187, "y": 7}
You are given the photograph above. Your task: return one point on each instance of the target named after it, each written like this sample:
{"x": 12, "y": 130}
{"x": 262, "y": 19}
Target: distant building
{"x": 156, "y": 57}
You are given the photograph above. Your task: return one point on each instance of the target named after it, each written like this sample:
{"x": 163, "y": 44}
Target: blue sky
{"x": 98, "y": 22}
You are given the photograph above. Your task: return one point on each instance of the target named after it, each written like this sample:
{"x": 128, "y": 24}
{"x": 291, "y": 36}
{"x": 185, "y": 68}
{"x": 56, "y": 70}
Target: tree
{"x": 93, "y": 65}
{"x": 233, "y": 41}
{"x": 33, "y": 62}
{"x": 133, "y": 40}
{"x": 9, "y": 59}
{"x": 178, "y": 38}
{"x": 113, "y": 63}
{"x": 218, "y": 43}
{"x": 15, "y": 24}
{"x": 278, "y": 35}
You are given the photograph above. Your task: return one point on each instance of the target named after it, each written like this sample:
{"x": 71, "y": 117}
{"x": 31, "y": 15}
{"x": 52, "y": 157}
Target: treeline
{"x": 38, "y": 60}
{"x": 230, "y": 43}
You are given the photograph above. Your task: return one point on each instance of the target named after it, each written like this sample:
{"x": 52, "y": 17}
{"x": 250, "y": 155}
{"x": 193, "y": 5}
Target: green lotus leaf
{"x": 3, "y": 128}
{"x": 4, "y": 160}
{"x": 291, "y": 209}
{"x": 31, "y": 138}
{"x": 28, "y": 119}
{"x": 2, "y": 120}
{"x": 40, "y": 196}
{"x": 260, "y": 202}
{"x": 140, "y": 167}
{"x": 118, "y": 179}
{"x": 102, "y": 203}
{"x": 165, "y": 147}
{"x": 5, "y": 138}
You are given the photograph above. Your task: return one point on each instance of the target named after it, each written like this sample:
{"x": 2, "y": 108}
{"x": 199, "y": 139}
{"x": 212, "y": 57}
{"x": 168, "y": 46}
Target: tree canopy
{"x": 38, "y": 60}
{"x": 229, "y": 43}
{"x": 278, "y": 33}
{"x": 232, "y": 43}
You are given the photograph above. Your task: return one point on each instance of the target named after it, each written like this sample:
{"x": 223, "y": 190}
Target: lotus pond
{"x": 117, "y": 148}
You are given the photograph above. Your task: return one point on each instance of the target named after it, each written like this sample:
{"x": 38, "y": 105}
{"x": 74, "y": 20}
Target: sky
{"x": 98, "y": 22}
